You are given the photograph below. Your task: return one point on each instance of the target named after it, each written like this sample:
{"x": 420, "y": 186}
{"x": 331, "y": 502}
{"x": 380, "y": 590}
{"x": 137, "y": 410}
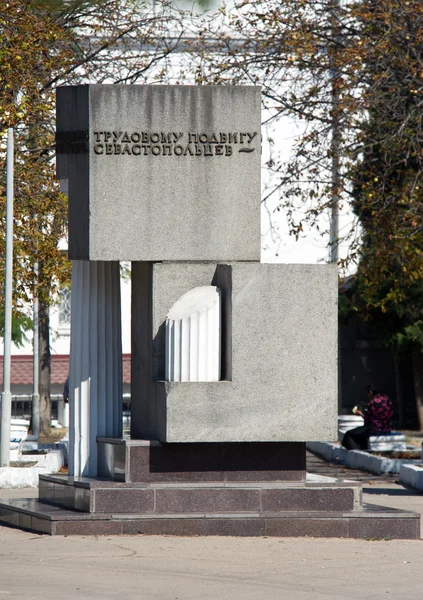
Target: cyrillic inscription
{"x": 159, "y": 143}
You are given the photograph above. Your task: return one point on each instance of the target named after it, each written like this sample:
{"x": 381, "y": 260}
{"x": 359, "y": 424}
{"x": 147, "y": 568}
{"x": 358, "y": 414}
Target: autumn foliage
{"x": 43, "y": 44}
{"x": 350, "y": 74}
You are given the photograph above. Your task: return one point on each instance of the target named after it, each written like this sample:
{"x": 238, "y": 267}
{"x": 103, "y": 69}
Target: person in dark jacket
{"x": 66, "y": 390}
{"x": 377, "y": 421}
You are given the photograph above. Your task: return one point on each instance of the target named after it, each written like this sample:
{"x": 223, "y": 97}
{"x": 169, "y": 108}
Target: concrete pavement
{"x": 168, "y": 568}
{"x": 394, "y": 495}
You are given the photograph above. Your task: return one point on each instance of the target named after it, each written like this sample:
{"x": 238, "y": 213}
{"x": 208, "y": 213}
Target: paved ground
{"x": 315, "y": 464}
{"x": 167, "y": 568}
{"x": 170, "y": 568}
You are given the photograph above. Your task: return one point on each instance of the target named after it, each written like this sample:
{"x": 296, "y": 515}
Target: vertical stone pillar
{"x": 95, "y": 377}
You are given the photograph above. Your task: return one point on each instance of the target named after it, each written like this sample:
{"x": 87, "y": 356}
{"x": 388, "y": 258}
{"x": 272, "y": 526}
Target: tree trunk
{"x": 45, "y": 367}
{"x": 418, "y": 383}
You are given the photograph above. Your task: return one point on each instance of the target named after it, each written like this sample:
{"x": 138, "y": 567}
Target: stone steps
{"x": 368, "y": 521}
{"x": 184, "y": 493}
{"x": 96, "y": 496}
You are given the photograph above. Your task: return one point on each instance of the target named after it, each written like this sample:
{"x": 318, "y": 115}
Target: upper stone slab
{"x": 161, "y": 172}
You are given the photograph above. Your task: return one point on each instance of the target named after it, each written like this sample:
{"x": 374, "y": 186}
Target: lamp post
{"x": 6, "y": 397}
{"x": 35, "y": 411}
{"x": 336, "y": 140}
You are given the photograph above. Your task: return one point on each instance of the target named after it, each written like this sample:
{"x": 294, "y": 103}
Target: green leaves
{"x": 21, "y": 323}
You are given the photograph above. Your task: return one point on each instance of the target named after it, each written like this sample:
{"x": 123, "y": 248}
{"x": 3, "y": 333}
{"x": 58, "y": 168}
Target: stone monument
{"x": 168, "y": 177}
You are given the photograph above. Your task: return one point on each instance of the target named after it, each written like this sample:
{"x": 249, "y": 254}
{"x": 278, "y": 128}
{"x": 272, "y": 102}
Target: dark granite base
{"x": 151, "y": 461}
{"x": 367, "y": 522}
{"x": 204, "y": 489}
{"x": 100, "y": 496}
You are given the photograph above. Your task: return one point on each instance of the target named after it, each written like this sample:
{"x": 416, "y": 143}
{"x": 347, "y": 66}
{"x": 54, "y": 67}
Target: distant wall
{"x": 364, "y": 360}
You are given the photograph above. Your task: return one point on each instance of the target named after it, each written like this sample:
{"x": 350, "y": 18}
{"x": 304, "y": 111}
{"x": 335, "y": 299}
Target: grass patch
{"x": 54, "y": 435}
{"x": 402, "y": 454}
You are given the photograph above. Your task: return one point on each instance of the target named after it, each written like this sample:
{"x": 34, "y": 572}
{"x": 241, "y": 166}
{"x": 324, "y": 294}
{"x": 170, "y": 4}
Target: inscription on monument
{"x": 143, "y": 143}
{"x": 159, "y": 143}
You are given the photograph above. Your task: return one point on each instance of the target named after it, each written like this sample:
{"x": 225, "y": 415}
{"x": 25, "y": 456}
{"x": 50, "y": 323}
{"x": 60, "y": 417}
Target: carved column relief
{"x": 193, "y": 336}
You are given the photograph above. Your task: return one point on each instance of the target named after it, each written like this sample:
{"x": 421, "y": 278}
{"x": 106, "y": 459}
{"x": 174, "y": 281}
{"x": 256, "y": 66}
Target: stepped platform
{"x": 316, "y": 509}
{"x": 161, "y": 493}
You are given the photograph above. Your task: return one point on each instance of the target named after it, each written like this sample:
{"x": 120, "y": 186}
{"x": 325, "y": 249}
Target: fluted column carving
{"x": 193, "y": 336}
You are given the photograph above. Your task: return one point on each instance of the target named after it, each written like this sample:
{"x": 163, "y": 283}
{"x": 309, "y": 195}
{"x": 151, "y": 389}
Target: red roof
{"x": 22, "y": 369}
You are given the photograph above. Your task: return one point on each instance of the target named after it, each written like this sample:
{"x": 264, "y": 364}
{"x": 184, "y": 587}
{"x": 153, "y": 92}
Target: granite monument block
{"x": 279, "y": 369}
{"x": 168, "y": 177}
{"x": 161, "y": 172}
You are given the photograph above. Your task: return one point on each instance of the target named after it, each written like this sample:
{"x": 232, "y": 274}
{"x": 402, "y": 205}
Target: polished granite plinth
{"x": 149, "y": 461}
{"x": 147, "y": 488}
{"x": 367, "y": 521}
{"x": 96, "y": 496}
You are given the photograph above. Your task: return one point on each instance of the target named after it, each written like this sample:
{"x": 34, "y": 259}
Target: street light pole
{"x": 336, "y": 139}
{"x": 35, "y": 413}
{"x": 6, "y": 397}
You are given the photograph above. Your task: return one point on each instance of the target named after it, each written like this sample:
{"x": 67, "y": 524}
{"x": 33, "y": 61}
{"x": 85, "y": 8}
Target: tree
{"x": 45, "y": 43}
{"x": 328, "y": 65}
{"x": 387, "y": 194}
{"x": 29, "y": 55}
